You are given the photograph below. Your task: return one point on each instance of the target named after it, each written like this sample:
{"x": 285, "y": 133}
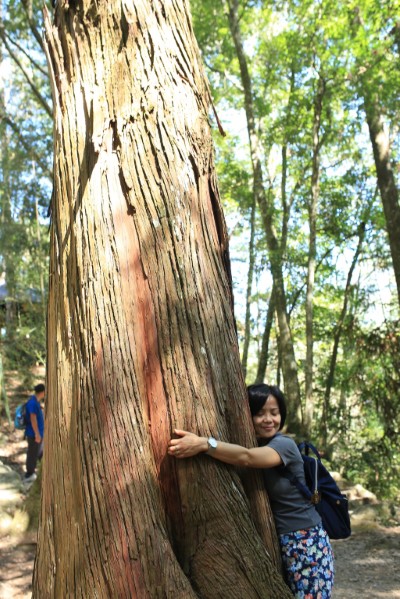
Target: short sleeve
{"x": 33, "y": 407}
{"x": 286, "y": 448}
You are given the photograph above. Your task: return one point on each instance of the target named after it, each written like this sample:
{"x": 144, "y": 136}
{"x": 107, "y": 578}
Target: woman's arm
{"x": 189, "y": 445}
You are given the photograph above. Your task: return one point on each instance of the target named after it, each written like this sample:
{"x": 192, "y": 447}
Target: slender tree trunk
{"x": 39, "y": 263}
{"x": 382, "y": 156}
{"x": 337, "y": 337}
{"x": 289, "y": 366}
{"x": 3, "y": 397}
{"x": 312, "y": 254}
{"x": 141, "y": 335}
{"x": 386, "y": 181}
{"x": 264, "y": 353}
{"x": 6, "y": 219}
{"x": 4, "y": 403}
{"x": 285, "y": 207}
{"x": 250, "y": 276}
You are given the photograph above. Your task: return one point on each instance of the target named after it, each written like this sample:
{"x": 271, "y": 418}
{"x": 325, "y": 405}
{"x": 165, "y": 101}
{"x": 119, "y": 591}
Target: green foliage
{"x": 25, "y": 171}
{"x": 26, "y": 345}
{"x": 354, "y": 48}
{"x": 291, "y": 46}
{"x": 366, "y": 421}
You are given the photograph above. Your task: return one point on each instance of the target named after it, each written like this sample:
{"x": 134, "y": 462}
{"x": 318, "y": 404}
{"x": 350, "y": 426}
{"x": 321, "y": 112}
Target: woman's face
{"x": 268, "y": 420}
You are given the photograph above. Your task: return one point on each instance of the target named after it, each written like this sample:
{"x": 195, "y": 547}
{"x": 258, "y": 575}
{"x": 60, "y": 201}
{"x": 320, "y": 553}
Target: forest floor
{"x": 366, "y": 563}
{"x": 17, "y": 546}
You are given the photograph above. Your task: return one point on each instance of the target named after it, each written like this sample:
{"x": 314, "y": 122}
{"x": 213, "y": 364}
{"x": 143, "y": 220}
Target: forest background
{"x": 305, "y": 120}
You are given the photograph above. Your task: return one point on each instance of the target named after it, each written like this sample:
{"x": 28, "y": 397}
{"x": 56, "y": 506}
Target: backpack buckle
{"x": 315, "y": 497}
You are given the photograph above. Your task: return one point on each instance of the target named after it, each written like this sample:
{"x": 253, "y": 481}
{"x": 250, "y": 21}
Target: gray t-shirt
{"x": 291, "y": 510}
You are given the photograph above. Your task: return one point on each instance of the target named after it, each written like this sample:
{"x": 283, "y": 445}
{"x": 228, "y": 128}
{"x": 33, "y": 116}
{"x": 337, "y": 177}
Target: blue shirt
{"x": 33, "y": 407}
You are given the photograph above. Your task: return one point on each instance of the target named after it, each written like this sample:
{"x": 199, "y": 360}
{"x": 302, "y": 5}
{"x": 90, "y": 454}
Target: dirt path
{"x": 17, "y": 551}
{"x": 17, "y": 556}
{"x": 367, "y": 565}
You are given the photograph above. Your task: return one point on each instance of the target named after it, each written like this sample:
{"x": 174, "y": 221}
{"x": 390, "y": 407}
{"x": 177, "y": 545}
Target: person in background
{"x": 305, "y": 546}
{"x": 34, "y": 432}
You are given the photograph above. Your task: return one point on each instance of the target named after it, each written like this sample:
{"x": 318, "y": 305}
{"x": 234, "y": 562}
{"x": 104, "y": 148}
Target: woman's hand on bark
{"x": 187, "y": 445}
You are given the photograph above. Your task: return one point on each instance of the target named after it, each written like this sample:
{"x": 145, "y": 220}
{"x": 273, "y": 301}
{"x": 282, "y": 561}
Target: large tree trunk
{"x": 141, "y": 335}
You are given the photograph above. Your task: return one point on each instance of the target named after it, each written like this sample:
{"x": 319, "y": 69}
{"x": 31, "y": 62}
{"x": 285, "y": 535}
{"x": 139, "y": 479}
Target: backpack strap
{"x": 306, "y": 446}
{"x": 292, "y": 478}
{"x": 312, "y": 494}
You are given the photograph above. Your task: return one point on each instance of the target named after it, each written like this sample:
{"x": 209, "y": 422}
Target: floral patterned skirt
{"x": 308, "y": 560}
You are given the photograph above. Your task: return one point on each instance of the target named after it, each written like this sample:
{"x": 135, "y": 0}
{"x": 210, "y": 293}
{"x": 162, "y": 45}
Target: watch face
{"x": 212, "y": 442}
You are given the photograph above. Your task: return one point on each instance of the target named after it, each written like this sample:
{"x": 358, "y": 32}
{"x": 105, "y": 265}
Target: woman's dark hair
{"x": 258, "y": 395}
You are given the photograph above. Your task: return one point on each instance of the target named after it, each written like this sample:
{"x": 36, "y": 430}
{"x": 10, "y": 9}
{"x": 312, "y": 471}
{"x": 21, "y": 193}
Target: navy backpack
{"x": 323, "y": 492}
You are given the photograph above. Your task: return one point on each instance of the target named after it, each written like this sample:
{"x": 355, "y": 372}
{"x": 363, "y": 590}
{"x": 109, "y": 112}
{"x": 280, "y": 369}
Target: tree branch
{"x": 21, "y": 49}
{"x": 33, "y": 87}
{"x": 28, "y": 146}
{"x": 27, "y": 4}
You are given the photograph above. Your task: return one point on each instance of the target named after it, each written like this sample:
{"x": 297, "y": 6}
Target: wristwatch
{"x": 212, "y": 444}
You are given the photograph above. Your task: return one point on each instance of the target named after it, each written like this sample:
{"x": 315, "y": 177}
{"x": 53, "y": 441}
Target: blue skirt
{"x": 308, "y": 560}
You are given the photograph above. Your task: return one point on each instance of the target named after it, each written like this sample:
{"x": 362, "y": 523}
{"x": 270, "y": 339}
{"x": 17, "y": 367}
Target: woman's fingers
{"x": 186, "y": 445}
{"x": 181, "y": 447}
{"x": 175, "y": 451}
{"x": 180, "y": 432}
{"x": 173, "y": 446}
